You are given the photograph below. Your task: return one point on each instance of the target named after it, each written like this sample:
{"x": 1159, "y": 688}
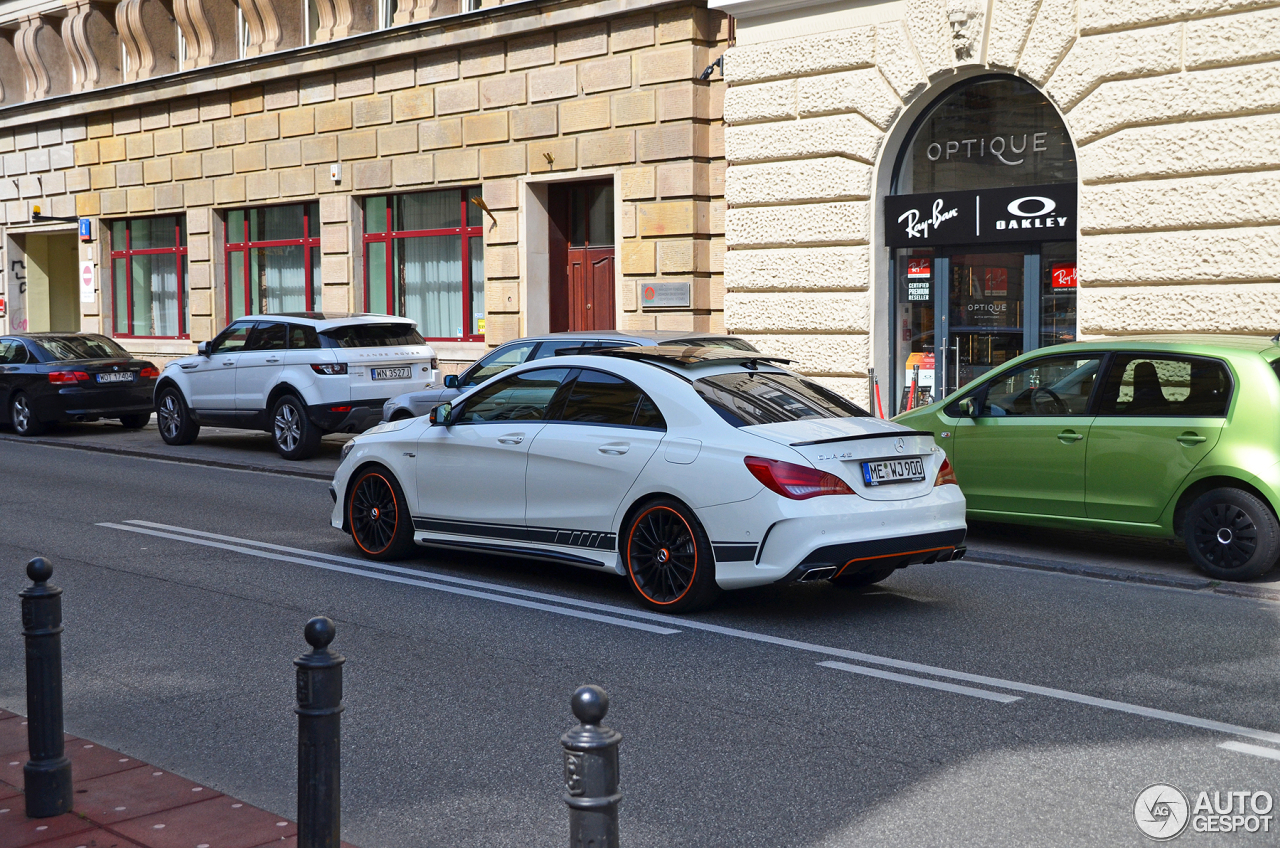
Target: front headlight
{"x": 347, "y": 449}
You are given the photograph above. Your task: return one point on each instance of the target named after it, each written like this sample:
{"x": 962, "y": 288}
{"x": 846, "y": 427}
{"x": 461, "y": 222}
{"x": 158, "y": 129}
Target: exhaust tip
{"x": 813, "y": 574}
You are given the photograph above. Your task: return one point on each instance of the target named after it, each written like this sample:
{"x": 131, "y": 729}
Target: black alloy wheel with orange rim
{"x": 379, "y": 520}
{"x": 669, "y": 560}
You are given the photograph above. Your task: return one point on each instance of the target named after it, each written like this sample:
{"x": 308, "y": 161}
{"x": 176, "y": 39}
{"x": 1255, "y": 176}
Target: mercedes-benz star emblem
{"x": 900, "y": 445}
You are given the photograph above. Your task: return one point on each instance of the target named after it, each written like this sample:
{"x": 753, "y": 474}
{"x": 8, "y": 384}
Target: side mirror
{"x": 203, "y": 348}
{"x": 441, "y": 414}
{"x": 451, "y": 381}
{"x": 968, "y": 408}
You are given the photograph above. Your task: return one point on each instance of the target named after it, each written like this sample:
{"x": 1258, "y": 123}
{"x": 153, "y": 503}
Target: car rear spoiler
{"x": 892, "y": 434}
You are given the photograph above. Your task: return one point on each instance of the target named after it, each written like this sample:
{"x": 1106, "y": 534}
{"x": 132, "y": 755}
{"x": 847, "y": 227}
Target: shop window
{"x": 424, "y": 260}
{"x": 149, "y": 277}
{"x": 273, "y": 260}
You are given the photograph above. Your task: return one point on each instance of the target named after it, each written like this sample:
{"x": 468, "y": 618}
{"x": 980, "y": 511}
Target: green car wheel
{"x": 1231, "y": 535}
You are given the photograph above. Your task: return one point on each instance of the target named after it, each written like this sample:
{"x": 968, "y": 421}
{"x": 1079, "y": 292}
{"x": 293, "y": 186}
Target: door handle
{"x": 226, "y": 362}
{"x": 1189, "y": 439}
{"x": 615, "y": 449}
{"x": 273, "y": 360}
{"x": 1067, "y": 436}
{"x": 511, "y": 439}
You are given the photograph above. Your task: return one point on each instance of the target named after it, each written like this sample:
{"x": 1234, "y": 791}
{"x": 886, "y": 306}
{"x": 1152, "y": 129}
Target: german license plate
{"x": 116, "y": 377}
{"x": 392, "y": 373}
{"x": 882, "y": 472}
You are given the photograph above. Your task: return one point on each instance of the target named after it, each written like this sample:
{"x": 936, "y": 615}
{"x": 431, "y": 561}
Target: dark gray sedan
{"x": 414, "y": 404}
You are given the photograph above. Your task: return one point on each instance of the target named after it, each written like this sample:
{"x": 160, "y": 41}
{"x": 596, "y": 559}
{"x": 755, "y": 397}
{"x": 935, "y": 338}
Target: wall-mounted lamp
{"x": 551, "y": 160}
{"x": 711, "y": 69}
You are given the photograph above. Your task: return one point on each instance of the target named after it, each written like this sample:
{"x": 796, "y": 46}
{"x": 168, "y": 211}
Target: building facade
{"x": 927, "y": 188}
{"x": 490, "y": 171}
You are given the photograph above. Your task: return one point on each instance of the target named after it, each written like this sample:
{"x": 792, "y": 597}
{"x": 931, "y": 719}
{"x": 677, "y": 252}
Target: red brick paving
{"x": 121, "y": 802}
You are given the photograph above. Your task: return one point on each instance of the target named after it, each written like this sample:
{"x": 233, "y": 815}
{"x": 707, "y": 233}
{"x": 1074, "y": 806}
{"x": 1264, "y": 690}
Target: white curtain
{"x": 430, "y": 281}
{"x": 155, "y": 295}
{"x": 279, "y": 271}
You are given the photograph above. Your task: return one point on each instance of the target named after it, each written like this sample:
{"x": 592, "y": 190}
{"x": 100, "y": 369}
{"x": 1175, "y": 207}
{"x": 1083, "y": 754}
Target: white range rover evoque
{"x": 297, "y": 375}
{"x": 686, "y": 470}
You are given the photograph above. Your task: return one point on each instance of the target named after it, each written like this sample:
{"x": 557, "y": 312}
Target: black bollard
{"x": 591, "y": 772}
{"x": 47, "y": 775}
{"x": 319, "y": 739}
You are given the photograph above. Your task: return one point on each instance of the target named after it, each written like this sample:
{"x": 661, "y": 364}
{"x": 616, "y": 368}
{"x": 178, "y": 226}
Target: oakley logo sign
{"x": 1033, "y": 212}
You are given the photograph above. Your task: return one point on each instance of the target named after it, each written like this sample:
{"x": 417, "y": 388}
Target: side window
{"x": 12, "y": 352}
{"x": 495, "y": 363}
{"x": 268, "y": 336}
{"x": 232, "y": 339}
{"x": 302, "y": 337}
{"x": 1054, "y": 385}
{"x": 520, "y": 397}
{"x": 1146, "y": 385}
{"x": 547, "y": 350}
{"x": 599, "y": 398}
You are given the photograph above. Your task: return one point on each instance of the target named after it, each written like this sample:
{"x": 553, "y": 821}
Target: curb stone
{"x": 185, "y": 460}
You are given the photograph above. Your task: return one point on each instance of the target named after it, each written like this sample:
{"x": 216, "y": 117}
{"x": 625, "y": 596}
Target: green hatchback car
{"x": 1174, "y": 436}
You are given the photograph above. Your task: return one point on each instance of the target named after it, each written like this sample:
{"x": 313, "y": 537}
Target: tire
{"x": 135, "y": 422}
{"x": 378, "y": 515}
{"x": 293, "y": 433}
{"x": 862, "y": 579}
{"x": 23, "y": 418}
{"x": 174, "y": 418}
{"x": 1231, "y": 534}
{"x": 668, "y": 557}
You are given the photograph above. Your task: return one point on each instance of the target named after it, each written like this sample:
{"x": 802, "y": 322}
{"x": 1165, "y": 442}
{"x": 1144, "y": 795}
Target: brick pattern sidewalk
{"x": 121, "y": 802}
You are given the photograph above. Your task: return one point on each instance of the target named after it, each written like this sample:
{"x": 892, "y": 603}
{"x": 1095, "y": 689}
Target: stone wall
{"x": 1174, "y": 106}
{"x": 614, "y": 89}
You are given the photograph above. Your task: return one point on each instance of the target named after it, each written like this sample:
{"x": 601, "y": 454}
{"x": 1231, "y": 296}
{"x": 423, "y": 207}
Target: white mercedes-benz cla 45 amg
{"x": 685, "y": 470}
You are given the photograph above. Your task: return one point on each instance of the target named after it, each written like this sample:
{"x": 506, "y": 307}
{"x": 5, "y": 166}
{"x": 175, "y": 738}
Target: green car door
{"x": 1023, "y": 450}
{"x": 1158, "y": 416}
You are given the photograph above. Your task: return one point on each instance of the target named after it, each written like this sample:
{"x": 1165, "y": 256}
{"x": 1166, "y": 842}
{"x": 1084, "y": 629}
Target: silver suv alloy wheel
{"x": 287, "y": 427}
{"x": 169, "y": 416}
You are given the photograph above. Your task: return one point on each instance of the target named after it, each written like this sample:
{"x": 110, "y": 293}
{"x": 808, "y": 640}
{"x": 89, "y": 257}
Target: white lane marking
{"x": 920, "y": 681}
{"x": 1246, "y": 748}
{"x": 391, "y": 578}
{"x": 824, "y": 650}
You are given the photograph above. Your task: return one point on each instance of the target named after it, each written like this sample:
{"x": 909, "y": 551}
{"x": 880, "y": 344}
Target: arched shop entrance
{"x": 981, "y": 226}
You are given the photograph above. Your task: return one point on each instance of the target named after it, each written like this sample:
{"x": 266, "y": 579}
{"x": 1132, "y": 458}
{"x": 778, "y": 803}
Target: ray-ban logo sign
{"x": 1033, "y": 213}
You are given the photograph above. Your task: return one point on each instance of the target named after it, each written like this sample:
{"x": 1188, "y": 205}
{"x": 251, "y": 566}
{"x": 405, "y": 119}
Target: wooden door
{"x": 581, "y": 254}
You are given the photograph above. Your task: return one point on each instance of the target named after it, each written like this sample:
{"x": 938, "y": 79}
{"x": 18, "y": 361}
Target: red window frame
{"x": 308, "y": 241}
{"x": 387, "y": 236}
{"x": 180, "y": 254}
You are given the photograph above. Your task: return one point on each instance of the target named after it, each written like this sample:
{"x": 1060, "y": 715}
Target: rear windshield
{"x": 771, "y": 398}
{"x": 374, "y": 335}
{"x": 82, "y": 347}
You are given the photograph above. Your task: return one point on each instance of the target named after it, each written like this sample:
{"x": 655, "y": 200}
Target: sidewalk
{"x": 121, "y": 802}
{"x": 1097, "y": 555}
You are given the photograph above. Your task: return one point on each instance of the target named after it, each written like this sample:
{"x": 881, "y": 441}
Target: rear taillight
{"x": 434, "y": 363}
{"x": 946, "y": 475}
{"x": 798, "y": 482}
{"x": 149, "y": 373}
{"x": 330, "y": 368}
{"x": 66, "y": 378}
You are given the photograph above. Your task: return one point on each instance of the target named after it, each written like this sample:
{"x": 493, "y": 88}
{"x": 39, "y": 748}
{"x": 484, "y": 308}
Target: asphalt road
{"x": 1024, "y": 708}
